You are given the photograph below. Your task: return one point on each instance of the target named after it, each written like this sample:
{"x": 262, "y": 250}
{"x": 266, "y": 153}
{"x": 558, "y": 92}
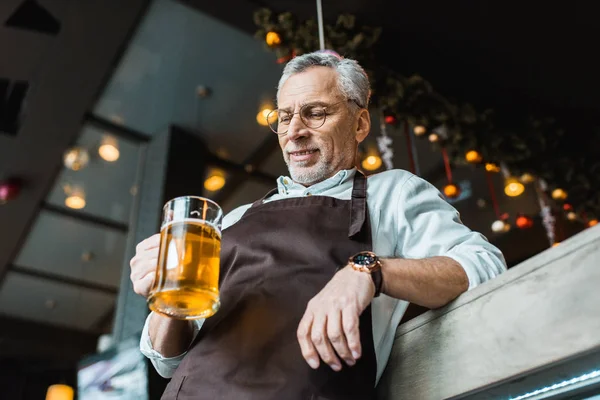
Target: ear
{"x": 363, "y": 125}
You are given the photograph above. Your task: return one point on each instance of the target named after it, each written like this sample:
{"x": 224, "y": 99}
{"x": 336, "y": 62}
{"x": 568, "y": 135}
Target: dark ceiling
{"x": 519, "y": 57}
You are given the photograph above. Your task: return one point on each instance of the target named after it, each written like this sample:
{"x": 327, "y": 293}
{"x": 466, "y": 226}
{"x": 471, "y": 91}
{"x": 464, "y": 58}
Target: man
{"x": 316, "y": 276}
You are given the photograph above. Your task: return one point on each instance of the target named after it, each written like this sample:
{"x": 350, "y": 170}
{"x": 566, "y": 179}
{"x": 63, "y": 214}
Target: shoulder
{"x": 235, "y": 215}
{"x": 392, "y": 180}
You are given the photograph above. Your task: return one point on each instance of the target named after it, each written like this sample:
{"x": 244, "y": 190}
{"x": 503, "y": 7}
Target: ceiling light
{"x": 262, "y": 116}
{"x": 76, "y": 158}
{"x": 75, "y": 202}
{"x": 109, "y": 149}
{"x": 371, "y": 163}
{"x": 215, "y": 181}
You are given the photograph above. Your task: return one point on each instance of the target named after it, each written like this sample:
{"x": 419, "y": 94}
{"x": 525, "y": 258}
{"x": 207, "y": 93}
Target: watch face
{"x": 365, "y": 259}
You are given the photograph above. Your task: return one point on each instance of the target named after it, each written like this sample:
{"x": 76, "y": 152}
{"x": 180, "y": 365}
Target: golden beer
{"x": 186, "y": 284}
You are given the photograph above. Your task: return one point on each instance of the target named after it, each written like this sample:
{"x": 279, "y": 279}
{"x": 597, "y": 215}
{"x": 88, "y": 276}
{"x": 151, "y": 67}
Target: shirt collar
{"x": 285, "y": 184}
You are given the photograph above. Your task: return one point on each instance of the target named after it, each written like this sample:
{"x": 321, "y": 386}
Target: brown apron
{"x": 273, "y": 261}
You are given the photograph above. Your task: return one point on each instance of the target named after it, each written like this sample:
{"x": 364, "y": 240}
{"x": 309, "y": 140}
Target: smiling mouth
{"x": 302, "y": 153}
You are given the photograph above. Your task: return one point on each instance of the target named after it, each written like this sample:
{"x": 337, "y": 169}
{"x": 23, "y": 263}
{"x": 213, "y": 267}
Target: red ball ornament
{"x": 390, "y": 119}
{"x": 524, "y": 222}
{"x": 9, "y": 189}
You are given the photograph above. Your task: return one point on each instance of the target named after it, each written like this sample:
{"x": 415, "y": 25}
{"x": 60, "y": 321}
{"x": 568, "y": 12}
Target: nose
{"x": 297, "y": 129}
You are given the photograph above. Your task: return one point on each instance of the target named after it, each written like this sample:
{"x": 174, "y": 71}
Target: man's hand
{"x": 330, "y": 323}
{"x": 143, "y": 265}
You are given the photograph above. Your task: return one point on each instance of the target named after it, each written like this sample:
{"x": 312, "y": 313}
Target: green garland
{"x": 537, "y": 146}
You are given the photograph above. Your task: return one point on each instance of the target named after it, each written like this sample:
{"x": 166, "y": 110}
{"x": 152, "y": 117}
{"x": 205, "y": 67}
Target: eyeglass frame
{"x": 302, "y": 120}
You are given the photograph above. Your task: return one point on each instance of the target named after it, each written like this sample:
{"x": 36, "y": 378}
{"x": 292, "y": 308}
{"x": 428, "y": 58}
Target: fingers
{"x": 350, "y": 325}
{"x": 144, "y": 285}
{"x": 143, "y": 265}
{"x": 149, "y": 243}
{"x": 306, "y": 347}
{"x": 337, "y": 337}
{"x": 318, "y": 336}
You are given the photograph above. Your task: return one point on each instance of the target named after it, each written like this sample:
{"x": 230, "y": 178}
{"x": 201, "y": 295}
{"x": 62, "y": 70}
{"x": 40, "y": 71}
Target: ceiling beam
{"x": 25, "y": 339}
{"x": 49, "y": 276}
{"x": 79, "y": 62}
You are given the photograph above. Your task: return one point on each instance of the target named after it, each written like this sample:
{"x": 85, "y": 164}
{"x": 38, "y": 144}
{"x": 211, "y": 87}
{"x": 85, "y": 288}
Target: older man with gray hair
{"x": 317, "y": 274}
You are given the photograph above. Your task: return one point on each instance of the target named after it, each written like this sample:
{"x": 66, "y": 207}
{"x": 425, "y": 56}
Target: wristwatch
{"x": 367, "y": 261}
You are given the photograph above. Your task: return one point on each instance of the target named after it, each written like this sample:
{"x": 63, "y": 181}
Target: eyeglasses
{"x": 312, "y": 115}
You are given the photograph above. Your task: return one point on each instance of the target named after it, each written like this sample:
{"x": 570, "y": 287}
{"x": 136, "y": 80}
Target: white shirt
{"x": 409, "y": 219}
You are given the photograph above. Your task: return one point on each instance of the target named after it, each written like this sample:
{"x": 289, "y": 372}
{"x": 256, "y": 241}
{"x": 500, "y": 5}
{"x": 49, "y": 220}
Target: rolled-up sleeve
{"x": 165, "y": 366}
{"x": 429, "y": 226}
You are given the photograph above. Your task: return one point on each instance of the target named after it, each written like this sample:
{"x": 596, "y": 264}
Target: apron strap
{"x": 266, "y": 196}
{"x": 358, "y": 206}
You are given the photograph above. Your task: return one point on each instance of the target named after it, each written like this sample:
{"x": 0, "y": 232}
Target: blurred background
{"x": 109, "y": 108}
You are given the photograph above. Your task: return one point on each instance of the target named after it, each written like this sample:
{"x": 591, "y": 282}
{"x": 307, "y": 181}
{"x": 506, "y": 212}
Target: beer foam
{"x": 194, "y": 221}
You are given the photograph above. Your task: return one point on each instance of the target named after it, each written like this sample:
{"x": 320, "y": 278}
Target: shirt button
{"x": 308, "y": 194}
{"x": 285, "y": 181}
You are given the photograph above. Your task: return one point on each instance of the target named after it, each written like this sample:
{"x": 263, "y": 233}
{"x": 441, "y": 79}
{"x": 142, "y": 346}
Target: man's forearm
{"x": 170, "y": 337}
{"x": 429, "y": 282}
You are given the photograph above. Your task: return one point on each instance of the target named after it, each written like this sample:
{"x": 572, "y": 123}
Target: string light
{"x": 60, "y": 392}
{"x": 419, "y": 130}
{"x": 592, "y": 222}
{"x": 571, "y": 216}
{"x": 499, "y": 226}
{"x": 434, "y": 137}
{"x": 273, "y": 39}
{"x": 491, "y": 167}
{"x": 512, "y": 187}
{"x": 473, "y": 157}
{"x": 390, "y": 119}
{"x": 527, "y": 178}
{"x": 451, "y": 191}
{"x": 524, "y": 222}
{"x": 559, "y": 194}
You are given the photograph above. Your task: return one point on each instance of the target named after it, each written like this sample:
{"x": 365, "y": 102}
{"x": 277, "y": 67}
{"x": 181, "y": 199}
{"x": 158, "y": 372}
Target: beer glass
{"x": 187, "y": 275}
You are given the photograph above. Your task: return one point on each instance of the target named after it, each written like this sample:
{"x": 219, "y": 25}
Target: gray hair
{"x": 353, "y": 81}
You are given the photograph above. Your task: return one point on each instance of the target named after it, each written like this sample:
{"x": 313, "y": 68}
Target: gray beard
{"x": 317, "y": 173}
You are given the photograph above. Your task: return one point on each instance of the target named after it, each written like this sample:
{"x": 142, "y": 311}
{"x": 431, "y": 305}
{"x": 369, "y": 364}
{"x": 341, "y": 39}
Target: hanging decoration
{"x": 530, "y": 146}
{"x": 451, "y": 190}
{"x": 548, "y": 219}
{"x": 384, "y": 142}
{"x": 410, "y": 149}
{"x": 501, "y": 223}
